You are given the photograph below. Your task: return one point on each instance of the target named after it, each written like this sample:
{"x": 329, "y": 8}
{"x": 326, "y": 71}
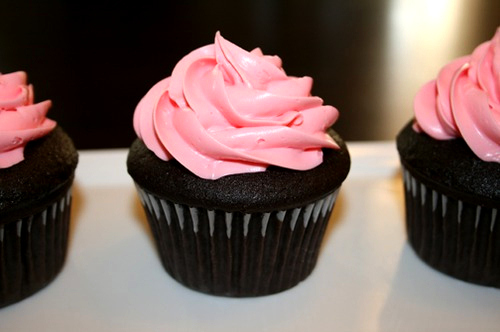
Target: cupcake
{"x": 450, "y": 155}
{"x": 236, "y": 171}
{"x": 37, "y": 164}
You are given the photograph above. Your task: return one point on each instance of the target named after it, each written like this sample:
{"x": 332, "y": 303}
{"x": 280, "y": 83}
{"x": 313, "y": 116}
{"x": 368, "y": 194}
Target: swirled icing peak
{"x": 228, "y": 111}
{"x": 464, "y": 101}
{"x": 21, "y": 120}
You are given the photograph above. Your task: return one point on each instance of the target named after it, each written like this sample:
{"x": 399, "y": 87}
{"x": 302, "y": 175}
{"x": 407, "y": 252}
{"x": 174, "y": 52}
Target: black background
{"x": 368, "y": 58}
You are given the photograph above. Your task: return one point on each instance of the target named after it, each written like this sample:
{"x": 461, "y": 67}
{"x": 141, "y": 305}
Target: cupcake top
{"x": 45, "y": 173}
{"x": 464, "y": 101}
{"x": 275, "y": 189}
{"x": 21, "y": 120}
{"x": 450, "y": 167}
{"x": 228, "y": 111}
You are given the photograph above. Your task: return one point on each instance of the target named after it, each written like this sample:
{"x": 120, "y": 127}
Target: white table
{"x": 367, "y": 277}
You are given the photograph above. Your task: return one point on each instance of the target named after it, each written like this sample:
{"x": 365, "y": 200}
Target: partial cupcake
{"x": 236, "y": 171}
{"x": 450, "y": 156}
{"x": 37, "y": 164}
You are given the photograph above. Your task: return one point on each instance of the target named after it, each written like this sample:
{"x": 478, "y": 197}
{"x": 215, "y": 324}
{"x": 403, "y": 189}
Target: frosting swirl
{"x": 21, "y": 120}
{"x": 464, "y": 101}
{"x": 227, "y": 111}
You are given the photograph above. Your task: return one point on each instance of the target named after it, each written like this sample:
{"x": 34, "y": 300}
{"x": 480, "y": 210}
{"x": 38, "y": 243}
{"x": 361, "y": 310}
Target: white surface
{"x": 367, "y": 277}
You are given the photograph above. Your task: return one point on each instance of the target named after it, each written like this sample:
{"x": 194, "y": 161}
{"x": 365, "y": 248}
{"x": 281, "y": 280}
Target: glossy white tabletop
{"x": 367, "y": 277}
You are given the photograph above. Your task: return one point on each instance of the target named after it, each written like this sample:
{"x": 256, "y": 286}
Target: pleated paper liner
{"x": 237, "y": 254}
{"x": 453, "y": 236}
{"x": 33, "y": 250}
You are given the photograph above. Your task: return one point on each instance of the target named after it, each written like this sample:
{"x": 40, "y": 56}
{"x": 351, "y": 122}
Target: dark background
{"x": 368, "y": 58}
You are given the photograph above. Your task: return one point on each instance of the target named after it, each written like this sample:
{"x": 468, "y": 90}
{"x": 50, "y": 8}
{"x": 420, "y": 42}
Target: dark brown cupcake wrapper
{"x": 456, "y": 237}
{"x": 33, "y": 250}
{"x": 233, "y": 253}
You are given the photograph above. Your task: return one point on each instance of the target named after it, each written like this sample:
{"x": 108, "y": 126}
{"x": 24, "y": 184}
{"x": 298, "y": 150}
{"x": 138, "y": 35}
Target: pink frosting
{"x": 227, "y": 111}
{"x": 464, "y": 101}
{"x": 20, "y": 119}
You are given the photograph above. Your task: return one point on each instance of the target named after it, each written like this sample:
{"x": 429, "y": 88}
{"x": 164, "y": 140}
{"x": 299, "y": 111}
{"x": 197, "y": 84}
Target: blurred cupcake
{"x": 236, "y": 172}
{"x": 451, "y": 164}
{"x": 37, "y": 163}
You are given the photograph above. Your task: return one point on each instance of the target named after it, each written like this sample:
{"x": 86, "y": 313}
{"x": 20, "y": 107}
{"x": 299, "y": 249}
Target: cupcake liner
{"x": 234, "y": 253}
{"x": 33, "y": 250}
{"x": 454, "y": 236}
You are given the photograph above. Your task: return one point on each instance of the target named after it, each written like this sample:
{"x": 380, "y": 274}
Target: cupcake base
{"x": 33, "y": 249}
{"x": 456, "y": 237}
{"x": 233, "y": 253}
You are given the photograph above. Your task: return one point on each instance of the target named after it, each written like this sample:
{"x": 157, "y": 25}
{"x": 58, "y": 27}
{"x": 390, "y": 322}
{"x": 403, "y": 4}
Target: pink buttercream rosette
{"x": 228, "y": 111}
{"x": 21, "y": 120}
{"x": 464, "y": 101}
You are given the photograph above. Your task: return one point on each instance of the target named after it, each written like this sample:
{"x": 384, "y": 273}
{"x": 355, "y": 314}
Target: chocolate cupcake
{"x": 236, "y": 171}
{"x": 450, "y": 156}
{"x": 37, "y": 164}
